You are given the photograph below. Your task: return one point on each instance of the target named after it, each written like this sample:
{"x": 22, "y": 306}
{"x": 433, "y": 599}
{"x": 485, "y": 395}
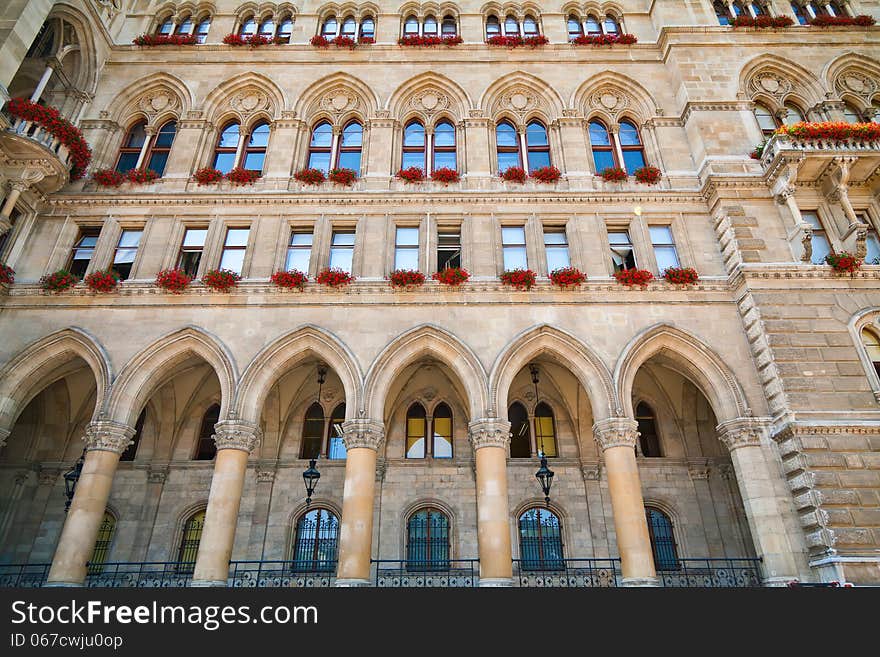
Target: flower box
{"x": 614, "y": 174}
{"x": 758, "y": 151}
{"x": 52, "y": 122}
{"x": 293, "y": 279}
{"x": 320, "y": 41}
{"x": 141, "y": 176}
{"x": 173, "y": 280}
{"x": 406, "y": 278}
{"x": 310, "y": 176}
{"x": 334, "y": 277}
{"x": 647, "y": 175}
{"x": 366, "y": 41}
{"x": 838, "y": 21}
{"x": 221, "y": 280}
{"x": 633, "y": 276}
{"x": 254, "y": 40}
{"x": 546, "y": 175}
{"x": 604, "y": 40}
{"x": 762, "y": 22}
{"x": 411, "y": 174}
{"x": 102, "y": 281}
{"x": 681, "y": 275}
{"x": 58, "y": 281}
{"x": 429, "y": 41}
{"x": 108, "y": 178}
{"x": 7, "y": 275}
{"x": 567, "y": 277}
{"x": 452, "y": 276}
{"x": 345, "y": 42}
{"x": 165, "y": 40}
{"x": 208, "y": 176}
{"x": 514, "y": 174}
{"x": 343, "y": 176}
{"x": 445, "y": 175}
{"x": 240, "y": 176}
{"x": 517, "y": 41}
{"x": 843, "y": 262}
{"x": 521, "y": 279}
{"x": 832, "y": 131}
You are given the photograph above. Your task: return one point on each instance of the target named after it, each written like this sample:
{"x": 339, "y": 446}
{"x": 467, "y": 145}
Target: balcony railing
{"x": 816, "y": 153}
{"x": 712, "y": 573}
{"x": 566, "y": 573}
{"x": 277, "y": 574}
{"x": 451, "y": 573}
{"x": 23, "y": 576}
{"x": 149, "y": 574}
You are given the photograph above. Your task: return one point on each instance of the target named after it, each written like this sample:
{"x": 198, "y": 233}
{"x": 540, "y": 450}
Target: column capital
{"x": 363, "y": 432}
{"x": 108, "y": 436}
{"x": 742, "y": 432}
{"x": 489, "y": 432}
{"x": 237, "y": 434}
{"x": 616, "y": 432}
{"x": 48, "y": 476}
{"x": 157, "y": 473}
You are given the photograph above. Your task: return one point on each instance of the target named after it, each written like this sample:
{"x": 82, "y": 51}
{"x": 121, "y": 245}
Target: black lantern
{"x": 310, "y": 477}
{"x": 545, "y": 476}
{"x": 70, "y": 479}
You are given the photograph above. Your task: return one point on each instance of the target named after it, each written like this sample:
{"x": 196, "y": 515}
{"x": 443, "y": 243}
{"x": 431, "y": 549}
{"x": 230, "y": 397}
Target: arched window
{"x": 227, "y": 147}
{"x": 799, "y": 13}
{"x": 411, "y": 26}
{"x": 267, "y": 28}
{"x": 611, "y": 25}
{"x": 507, "y": 144}
{"x": 189, "y": 541}
{"x": 131, "y": 451}
{"x": 649, "y": 441}
{"x": 315, "y": 542}
{"x": 520, "y": 440}
{"x": 493, "y": 27}
{"x": 328, "y": 29}
{"x": 350, "y": 147}
{"x": 540, "y": 540}
{"x": 255, "y": 151}
{"x": 722, "y": 12}
{"x": 766, "y": 120}
{"x": 756, "y": 8}
{"x": 416, "y": 431}
{"x": 106, "y": 530}
{"x": 413, "y": 146}
{"x": 312, "y": 433}
{"x": 545, "y": 430}
{"x": 441, "y": 441}
{"x": 631, "y": 145}
{"x": 427, "y": 540}
{"x": 368, "y": 28}
{"x": 285, "y": 29}
{"x": 872, "y": 347}
{"x": 132, "y": 145}
{"x": 574, "y": 28}
{"x": 792, "y": 114}
{"x": 511, "y": 26}
{"x": 320, "y": 147}
{"x": 592, "y": 25}
{"x": 430, "y": 26}
{"x": 662, "y": 539}
{"x": 836, "y": 8}
{"x": 851, "y": 114}
{"x": 248, "y": 27}
{"x": 349, "y": 27}
{"x": 444, "y": 146}
{"x": 335, "y": 443}
{"x": 166, "y": 26}
{"x": 530, "y": 26}
{"x": 202, "y": 30}
{"x": 603, "y": 150}
{"x": 207, "y": 448}
{"x": 157, "y": 155}
{"x": 538, "y": 146}
{"x": 875, "y": 108}
{"x": 186, "y": 26}
{"x": 738, "y": 9}
{"x": 448, "y": 28}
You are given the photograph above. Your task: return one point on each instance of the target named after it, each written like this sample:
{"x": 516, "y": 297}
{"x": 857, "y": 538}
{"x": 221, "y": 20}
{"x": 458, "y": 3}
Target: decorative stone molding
{"x": 48, "y": 476}
{"x": 381, "y": 469}
{"x": 489, "y": 432}
{"x": 592, "y": 471}
{"x": 363, "y": 432}
{"x": 726, "y": 471}
{"x": 265, "y": 475}
{"x": 698, "y": 471}
{"x": 616, "y": 432}
{"x": 4, "y": 433}
{"x": 237, "y": 434}
{"x": 108, "y": 436}
{"x": 742, "y": 432}
{"x": 157, "y": 474}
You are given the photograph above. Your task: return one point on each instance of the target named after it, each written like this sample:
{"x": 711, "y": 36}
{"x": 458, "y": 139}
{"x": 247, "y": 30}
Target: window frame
{"x": 627, "y": 229}
{"x": 224, "y": 248}
{"x": 251, "y": 149}
{"x": 423, "y": 149}
{"x": 506, "y": 246}
{"x": 342, "y": 230}
{"x": 83, "y": 232}
{"x": 223, "y": 150}
{"x": 676, "y": 560}
{"x": 443, "y": 149}
{"x": 315, "y": 565}
{"x": 428, "y": 563}
{"x": 119, "y": 247}
{"x": 508, "y": 149}
{"x": 663, "y": 245}
{"x": 184, "y": 250}
{"x": 541, "y": 563}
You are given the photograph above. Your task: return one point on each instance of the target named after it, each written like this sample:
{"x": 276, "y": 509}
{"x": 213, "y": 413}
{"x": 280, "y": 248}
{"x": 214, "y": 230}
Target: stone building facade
{"x": 733, "y": 419}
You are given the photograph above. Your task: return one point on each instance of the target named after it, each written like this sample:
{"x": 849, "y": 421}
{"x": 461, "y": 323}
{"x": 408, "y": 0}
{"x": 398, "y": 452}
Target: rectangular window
{"x": 406, "y": 248}
{"x": 342, "y": 249}
{"x": 664, "y": 247}
{"x": 191, "y": 250}
{"x": 448, "y": 248}
{"x": 234, "y": 248}
{"x": 513, "y": 244}
{"x": 299, "y": 251}
{"x": 821, "y": 245}
{"x": 556, "y": 246}
{"x": 126, "y": 252}
{"x": 83, "y": 251}
{"x": 622, "y": 254}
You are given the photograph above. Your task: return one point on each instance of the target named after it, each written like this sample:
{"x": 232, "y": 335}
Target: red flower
{"x": 141, "y": 176}
{"x": 514, "y": 174}
{"x": 320, "y": 41}
{"x": 681, "y": 275}
{"x": 453, "y": 276}
{"x": 290, "y": 279}
{"x": 546, "y": 174}
{"x": 411, "y": 175}
{"x": 221, "y": 280}
{"x": 108, "y": 177}
{"x": 832, "y": 131}
{"x": 58, "y": 281}
{"x": 647, "y": 175}
{"x": 334, "y": 277}
{"x": 843, "y": 262}
{"x": 633, "y": 276}
{"x": 51, "y": 120}
{"x": 253, "y": 40}
{"x": 429, "y": 41}
{"x": 604, "y": 39}
{"x": 208, "y": 176}
{"x": 567, "y": 277}
{"x": 517, "y": 41}
{"x": 406, "y": 278}
{"x": 102, "y": 281}
{"x": 367, "y": 41}
{"x": 7, "y": 275}
{"x": 345, "y": 42}
{"x": 614, "y": 174}
{"x": 762, "y": 21}
{"x": 310, "y": 176}
{"x": 836, "y": 21}
{"x": 343, "y": 176}
{"x": 445, "y": 175}
{"x": 173, "y": 280}
{"x": 241, "y": 176}
{"x": 165, "y": 40}
{"x": 521, "y": 279}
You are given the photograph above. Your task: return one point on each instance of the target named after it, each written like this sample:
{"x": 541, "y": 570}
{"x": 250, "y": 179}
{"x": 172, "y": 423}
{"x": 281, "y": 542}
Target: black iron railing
{"x": 712, "y": 573}
{"x": 23, "y": 576}
{"x": 566, "y": 573}
{"x": 275, "y": 574}
{"x": 450, "y": 573}
{"x": 145, "y": 574}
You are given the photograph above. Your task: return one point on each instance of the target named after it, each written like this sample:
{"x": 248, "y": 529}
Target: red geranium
{"x": 58, "y": 281}
{"x": 208, "y": 176}
{"x": 173, "y": 280}
{"x": 453, "y": 276}
{"x": 837, "y": 21}
{"x": 633, "y": 276}
{"x": 102, "y": 281}
{"x": 762, "y": 21}
{"x": 546, "y": 174}
{"x": 320, "y": 41}
{"x": 310, "y": 176}
{"x": 165, "y": 40}
{"x": 108, "y": 177}
{"x": 832, "y": 131}
{"x": 7, "y": 275}
{"x": 514, "y": 174}
{"x": 445, "y": 175}
{"x": 290, "y": 279}
{"x": 254, "y": 40}
{"x": 367, "y": 41}
{"x": 141, "y": 176}
{"x": 241, "y": 176}
{"x": 604, "y": 39}
{"x": 681, "y": 275}
{"x": 647, "y": 175}
{"x": 521, "y": 279}
{"x": 428, "y": 41}
{"x": 52, "y": 122}
{"x": 406, "y": 278}
{"x": 334, "y": 277}
{"x": 411, "y": 174}
{"x": 345, "y": 42}
{"x": 843, "y": 262}
{"x": 614, "y": 174}
{"x": 343, "y": 176}
{"x": 567, "y": 277}
{"x": 221, "y": 280}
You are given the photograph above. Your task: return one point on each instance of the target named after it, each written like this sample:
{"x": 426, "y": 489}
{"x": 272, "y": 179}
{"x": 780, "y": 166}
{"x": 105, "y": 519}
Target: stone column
{"x": 743, "y": 437}
{"x": 188, "y": 145}
{"x": 235, "y": 439}
{"x": 476, "y": 131}
{"x": 379, "y": 159}
{"x": 16, "y": 187}
{"x": 362, "y": 438}
{"x": 490, "y": 438}
{"x": 617, "y": 438}
{"x": 282, "y": 147}
{"x": 105, "y": 442}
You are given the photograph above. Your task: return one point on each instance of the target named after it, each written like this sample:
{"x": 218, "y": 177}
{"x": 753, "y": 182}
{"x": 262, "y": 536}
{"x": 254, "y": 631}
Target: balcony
{"x": 810, "y": 158}
{"x": 32, "y": 154}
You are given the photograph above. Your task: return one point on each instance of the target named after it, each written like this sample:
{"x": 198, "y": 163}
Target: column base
{"x": 640, "y": 582}
{"x": 496, "y": 582}
{"x": 63, "y": 585}
{"x": 352, "y": 583}
{"x": 203, "y": 583}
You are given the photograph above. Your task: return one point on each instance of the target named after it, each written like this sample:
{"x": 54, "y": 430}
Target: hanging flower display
{"x": 221, "y": 280}
{"x": 633, "y": 276}
{"x": 310, "y": 176}
{"x": 406, "y": 278}
{"x": 843, "y": 262}
{"x": 58, "y": 281}
{"x": 411, "y": 174}
{"x": 546, "y": 175}
{"x": 141, "y": 176}
{"x": 428, "y": 41}
{"x": 293, "y": 279}
{"x": 320, "y": 41}
{"x": 445, "y": 175}
{"x": 254, "y": 40}
{"x": 681, "y": 275}
{"x": 832, "y": 131}
{"x": 566, "y": 277}
{"x": 604, "y": 39}
{"x": 208, "y": 176}
{"x": 521, "y": 279}
{"x": 102, "y": 281}
{"x": 614, "y": 174}
{"x": 52, "y": 122}
{"x": 108, "y": 178}
{"x": 647, "y": 175}
{"x": 165, "y": 40}
{"x": 762, "y": 22}
{"x": 453, "y": 276}
{"x": 343, "y": 176}
{"x": 334, "y": 277}
{"x": 7, "y": 275}
{"x": 345, "y": 42}
{"x": 514, "y": 174}
{"x": 861, "y": 20}
{"x": 241, "y": 176}
{"x": 173, "y": 280}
